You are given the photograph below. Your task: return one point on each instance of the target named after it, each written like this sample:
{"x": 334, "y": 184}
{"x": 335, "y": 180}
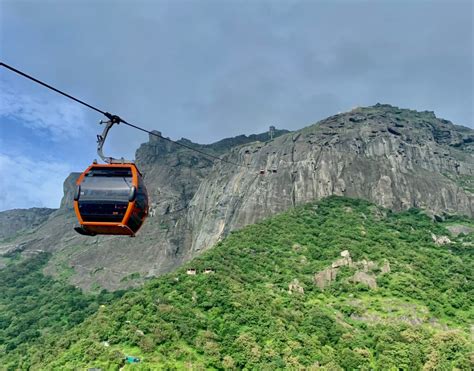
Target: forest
{"x": 255, "y": 301}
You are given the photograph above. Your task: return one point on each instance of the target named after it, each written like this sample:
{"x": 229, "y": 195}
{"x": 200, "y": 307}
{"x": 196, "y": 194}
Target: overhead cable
{"x": 114, "y": 118}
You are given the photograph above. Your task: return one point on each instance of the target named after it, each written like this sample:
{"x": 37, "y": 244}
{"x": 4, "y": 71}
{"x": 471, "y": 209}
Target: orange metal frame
{"x": 103, "y": 225}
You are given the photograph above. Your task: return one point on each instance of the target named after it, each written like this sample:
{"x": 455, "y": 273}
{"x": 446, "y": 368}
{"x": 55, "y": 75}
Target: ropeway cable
{"x": 114, "y": 118}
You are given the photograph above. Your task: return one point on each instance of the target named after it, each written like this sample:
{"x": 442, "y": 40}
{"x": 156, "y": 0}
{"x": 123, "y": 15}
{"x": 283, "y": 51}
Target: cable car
{"x": 110, "y": 198}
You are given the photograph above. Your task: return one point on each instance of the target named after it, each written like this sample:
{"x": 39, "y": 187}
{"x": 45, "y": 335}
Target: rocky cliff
{"x": 394, "y": 157}
{"x": 13, "y": 222}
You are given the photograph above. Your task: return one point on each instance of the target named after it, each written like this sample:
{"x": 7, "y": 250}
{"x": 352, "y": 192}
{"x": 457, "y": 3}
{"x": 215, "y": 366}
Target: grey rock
{"x": 385, "y": 267}
{"x": 13, "y": 222}
{"x": 367, "y": 265}
{"x": 420, "y": 169}
{"x": 440, "y": 240}
{"x": 295, "y": 287}
{"x": 365, "y": 278}
{"x": 324, "y": 278}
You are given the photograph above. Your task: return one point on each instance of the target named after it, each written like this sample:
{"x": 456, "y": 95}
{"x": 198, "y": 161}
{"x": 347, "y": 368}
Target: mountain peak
{"x": 413, "y": 127}
{"x": 396, "y": 158}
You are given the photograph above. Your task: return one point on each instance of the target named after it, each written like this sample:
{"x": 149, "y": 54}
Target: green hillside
{"x": 398, "y": 300}
{"x": 34, "y": 306}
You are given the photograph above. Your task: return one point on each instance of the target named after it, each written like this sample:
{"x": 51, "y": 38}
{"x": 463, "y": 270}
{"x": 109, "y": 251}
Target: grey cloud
{"x": 208, "y": 69}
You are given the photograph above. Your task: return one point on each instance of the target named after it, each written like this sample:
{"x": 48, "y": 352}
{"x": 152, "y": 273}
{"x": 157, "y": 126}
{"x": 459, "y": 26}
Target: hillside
{"x": 395, "y": 158}
{"x": 340, "y": 284}
{"x": 34, "y": 305}
{"x": 16, "y": 221}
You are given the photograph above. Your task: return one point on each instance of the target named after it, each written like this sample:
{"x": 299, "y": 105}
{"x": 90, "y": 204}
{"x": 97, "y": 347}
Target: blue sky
{"x": 205, "y": 70}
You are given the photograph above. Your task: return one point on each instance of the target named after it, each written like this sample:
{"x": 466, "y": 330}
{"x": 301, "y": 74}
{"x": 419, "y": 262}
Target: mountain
{"x": 396, "y": 158}
{"x": 13, "y": 222}
{"x": 338, "y": 284}
{"x": 393, "y": 157}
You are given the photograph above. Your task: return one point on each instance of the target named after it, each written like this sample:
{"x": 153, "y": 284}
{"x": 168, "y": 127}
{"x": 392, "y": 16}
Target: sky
{"x": 205, "y": 70}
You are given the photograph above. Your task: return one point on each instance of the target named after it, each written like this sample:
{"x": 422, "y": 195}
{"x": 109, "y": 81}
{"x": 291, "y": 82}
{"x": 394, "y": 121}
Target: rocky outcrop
{"x": 440, "y": 240}
{"x": 424, "y": 165}
{"x": 344, "y": 261}
{"x": 324, "y": 278}
{"x": 366, "y": 271}
{"x": 15, "y": 221}
{"x": 365, "y": 279}
{"x": 295, "y": 287}
{"x": 172, "y": 175}
{"x": 385, "y": 267}
{"x": 327, "y": 276}
{"x": 393, "y": 157}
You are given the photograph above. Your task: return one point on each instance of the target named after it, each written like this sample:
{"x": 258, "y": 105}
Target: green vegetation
{"x": 131, "y": 277}
{"x": 243, "y": 315}
{"x": 466, "y": 182}
{"x": 34, "y": 306}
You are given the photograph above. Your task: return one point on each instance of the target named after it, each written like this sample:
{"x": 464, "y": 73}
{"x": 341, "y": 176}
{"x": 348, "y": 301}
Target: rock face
{"x": 393, "y": 157}
{"x": 172, "y": 175}
{"x": 15, "y": 221}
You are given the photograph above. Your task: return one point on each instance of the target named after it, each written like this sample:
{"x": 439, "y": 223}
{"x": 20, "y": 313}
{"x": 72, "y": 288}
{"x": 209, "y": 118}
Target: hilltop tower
{"x": 271, "y": 132}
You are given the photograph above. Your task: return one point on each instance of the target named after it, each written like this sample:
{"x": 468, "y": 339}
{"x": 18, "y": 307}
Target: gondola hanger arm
{"x": 101, "y": 140}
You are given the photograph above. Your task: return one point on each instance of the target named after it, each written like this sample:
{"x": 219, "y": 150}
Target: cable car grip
{"x": 113, "y": 118}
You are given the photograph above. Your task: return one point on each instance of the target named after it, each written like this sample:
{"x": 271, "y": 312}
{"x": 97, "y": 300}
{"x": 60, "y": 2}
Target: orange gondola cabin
{"x": 110, "y": 199}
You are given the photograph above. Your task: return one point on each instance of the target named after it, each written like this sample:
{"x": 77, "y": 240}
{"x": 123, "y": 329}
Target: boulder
{"x": 385, "y": 267}
{"x": 344, "y": 261}
{"x": 440, "y": 240}
{"x": 345, "y": 254}
{"x": 367, "y": 265}
{"x": 295, "y": 286}
{"x": 325, "y": 277}
{"x": 365, "y": 278}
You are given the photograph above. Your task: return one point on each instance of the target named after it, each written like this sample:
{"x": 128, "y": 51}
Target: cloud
{"x": 209, "y": 70}
{"x": 56, "y": 118}
{"x": 29, "y": 183}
